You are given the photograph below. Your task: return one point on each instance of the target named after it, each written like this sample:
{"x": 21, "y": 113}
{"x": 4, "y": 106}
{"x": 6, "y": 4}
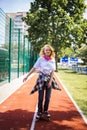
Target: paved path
{"x": 17, "y": 112}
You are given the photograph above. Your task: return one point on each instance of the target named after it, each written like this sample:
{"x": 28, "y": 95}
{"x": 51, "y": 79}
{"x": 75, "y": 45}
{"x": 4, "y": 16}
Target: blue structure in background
{"x": 69, "y": 60}
{"x": 73, "y": 60}
{"x": 73, "y": 63}
{"x": 64, "y": 60}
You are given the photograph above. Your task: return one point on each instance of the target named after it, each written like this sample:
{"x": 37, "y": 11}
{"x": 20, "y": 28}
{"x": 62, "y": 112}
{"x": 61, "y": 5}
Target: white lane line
{"x": 73, "y": 101}
{"x": 34, "y": 120}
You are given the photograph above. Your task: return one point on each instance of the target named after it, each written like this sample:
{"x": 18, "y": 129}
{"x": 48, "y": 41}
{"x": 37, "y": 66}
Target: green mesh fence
{"x": 4, "y": 42}
{"x": 16, "y": 53}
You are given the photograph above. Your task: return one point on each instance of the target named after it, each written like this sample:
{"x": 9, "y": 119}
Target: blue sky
{"x": 19, "y": 5}
{"x": 85, "y": 14}
{"x": 15, "y": 5}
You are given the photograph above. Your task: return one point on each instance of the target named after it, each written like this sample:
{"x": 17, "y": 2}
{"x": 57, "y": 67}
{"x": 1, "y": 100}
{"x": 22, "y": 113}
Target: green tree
{"x": 83, "y": 25}
{"x": 54, "y": 22}
{"x": 82, "y": 53}
{"x": 68, "y": 52}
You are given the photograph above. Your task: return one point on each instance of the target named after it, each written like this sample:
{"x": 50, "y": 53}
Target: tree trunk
{"x": 56, "y": 58}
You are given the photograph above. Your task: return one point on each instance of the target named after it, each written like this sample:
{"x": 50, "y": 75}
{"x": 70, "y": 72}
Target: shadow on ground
{"x": 62, "y": 120}
{"x": 19, "y": 119}
{"x": 16, "y": 120}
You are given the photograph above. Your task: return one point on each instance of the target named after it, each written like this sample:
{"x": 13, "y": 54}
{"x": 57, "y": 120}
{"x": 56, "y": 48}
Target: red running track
{"x": 17, "y": 112}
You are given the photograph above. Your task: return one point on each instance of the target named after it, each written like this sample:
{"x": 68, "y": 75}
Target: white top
{"x": 45, "y": 66}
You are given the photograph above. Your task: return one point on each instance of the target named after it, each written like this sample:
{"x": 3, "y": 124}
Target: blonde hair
{"x": 51, "y": 48}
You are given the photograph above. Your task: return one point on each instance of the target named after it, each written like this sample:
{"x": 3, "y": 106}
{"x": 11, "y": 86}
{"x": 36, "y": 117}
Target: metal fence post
{"x": 24, "y": 54}
{"x": 18, "y": 52}
{"x": 10, "y": 44}
{"x": 28, "y": 54}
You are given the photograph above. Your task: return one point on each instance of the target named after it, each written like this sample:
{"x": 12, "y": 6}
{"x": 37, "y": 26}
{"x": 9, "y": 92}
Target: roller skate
{"x": 46, "y": 116}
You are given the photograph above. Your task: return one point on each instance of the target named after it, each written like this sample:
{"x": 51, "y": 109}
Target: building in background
{"x": 4, "y": 29}
{"x": 18, "y": 23}
{"x": 4, "y": 45}
{"x": 20, "y": 42}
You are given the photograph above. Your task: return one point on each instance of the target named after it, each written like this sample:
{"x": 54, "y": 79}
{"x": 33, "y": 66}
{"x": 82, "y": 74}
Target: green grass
{"x": 77, "y": 86}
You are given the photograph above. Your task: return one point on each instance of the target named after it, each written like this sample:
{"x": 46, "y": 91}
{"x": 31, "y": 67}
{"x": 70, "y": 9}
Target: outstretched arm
{"x": 30, "y": 72}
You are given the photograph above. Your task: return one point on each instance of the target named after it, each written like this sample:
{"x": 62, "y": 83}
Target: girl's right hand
{"x": 24, "y": 79}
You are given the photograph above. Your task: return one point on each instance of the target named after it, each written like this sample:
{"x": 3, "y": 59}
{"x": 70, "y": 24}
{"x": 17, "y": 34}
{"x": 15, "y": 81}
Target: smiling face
{"x": 47, "y": 51}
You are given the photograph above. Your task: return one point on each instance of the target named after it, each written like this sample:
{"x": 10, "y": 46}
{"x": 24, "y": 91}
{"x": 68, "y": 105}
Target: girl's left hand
{"x": 49, "y": 84}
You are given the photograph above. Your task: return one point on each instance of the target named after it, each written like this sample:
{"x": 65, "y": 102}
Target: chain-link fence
{"x": 16, "y": 53}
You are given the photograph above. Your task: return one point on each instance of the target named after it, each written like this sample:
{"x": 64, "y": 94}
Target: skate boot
{"x": 39, "y": 115}
{"x": 46, "y": 115}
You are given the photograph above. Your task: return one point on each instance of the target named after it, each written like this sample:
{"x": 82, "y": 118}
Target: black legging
{"x": 47, "y": 91}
